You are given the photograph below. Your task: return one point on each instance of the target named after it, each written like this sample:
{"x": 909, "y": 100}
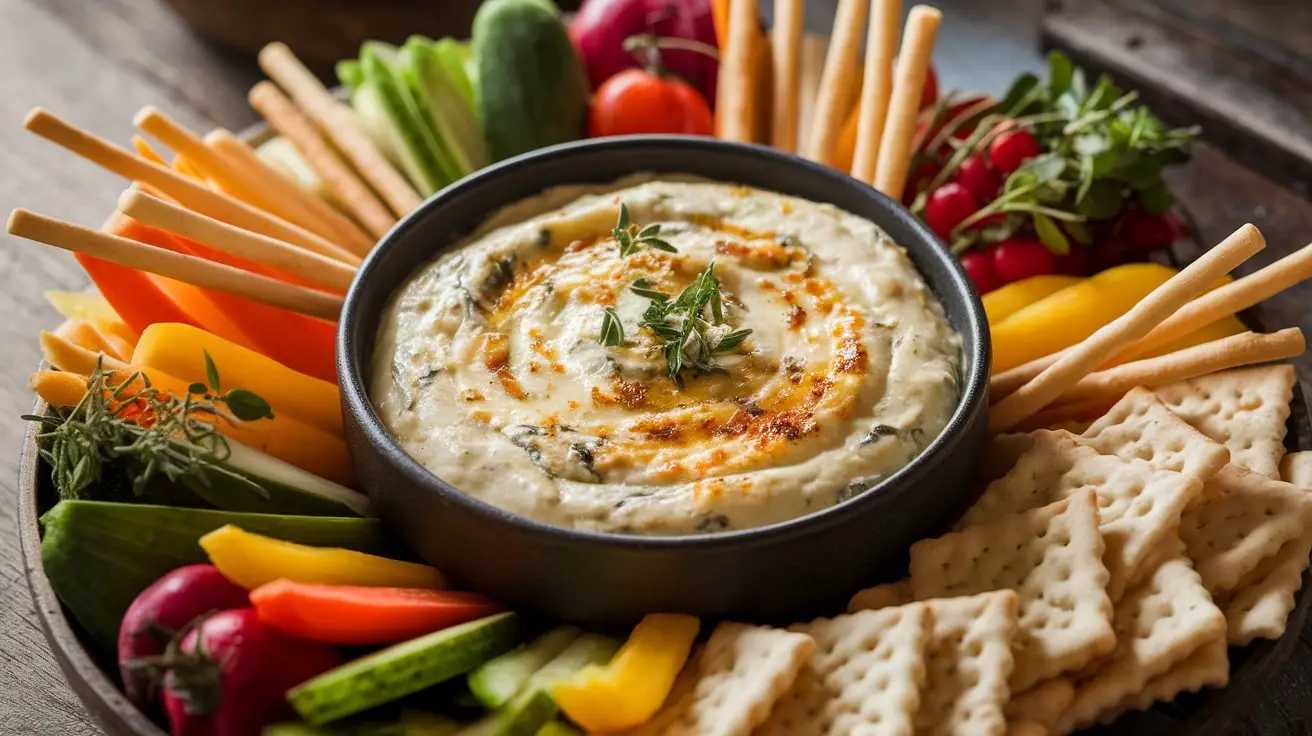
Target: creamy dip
{"x": 489, "y": 368}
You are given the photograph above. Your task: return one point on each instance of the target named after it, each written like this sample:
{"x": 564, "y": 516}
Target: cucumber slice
{"x": 497, "y": 681}
{"x": 458, "y": 61}
{"x": 448, "y": 113}
{"x": 416, "y": 151}
{"x": 289, "y": 489}
{"x": 534, "y": 707}
{"x": 403, "y": 669}
{"x": 280, "y": 154}
{"x": 349, "y": 73}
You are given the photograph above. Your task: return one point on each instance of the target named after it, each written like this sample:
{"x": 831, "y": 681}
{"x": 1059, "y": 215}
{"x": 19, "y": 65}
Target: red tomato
{"x": 947, "y": 207}
{"x": 979, "y": 267}
{"x": 1020, "y": 258}
{"x": 975, "y": 175}
{"x": 1009, "y": 150}
{"x": 636, "y": 101}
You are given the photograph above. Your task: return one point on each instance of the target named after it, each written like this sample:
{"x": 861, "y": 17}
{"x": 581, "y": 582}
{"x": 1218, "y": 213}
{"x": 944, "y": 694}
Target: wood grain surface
{"x": 98, "y": 61}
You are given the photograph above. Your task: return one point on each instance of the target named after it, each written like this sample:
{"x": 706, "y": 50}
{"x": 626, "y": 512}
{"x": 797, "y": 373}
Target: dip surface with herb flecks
{"x": 666, "y": 356}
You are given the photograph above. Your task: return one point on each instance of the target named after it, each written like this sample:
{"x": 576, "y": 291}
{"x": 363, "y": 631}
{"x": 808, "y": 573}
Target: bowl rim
{"x": 972, "y": 384}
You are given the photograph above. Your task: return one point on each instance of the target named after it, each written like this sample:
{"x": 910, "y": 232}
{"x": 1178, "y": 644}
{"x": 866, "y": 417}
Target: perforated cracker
{"x": 1259, "y": 606}
{"x": 1209, "y": 666}
{"x": 1159, "y": 623}
{"x": 1042, "y": 704}
{"x": 1245, "y": 409}
{"x": 1296, "y": 469}
{"x": 1140, "y": 427}
{"x": 1242, "y": 519}
{"x": 865, "y": 676}
{"x": 1139, "y": 506}
{"x": 881, "y": 596}
{"x": 967, "y": 662}
{"x": 1052, "y": 557}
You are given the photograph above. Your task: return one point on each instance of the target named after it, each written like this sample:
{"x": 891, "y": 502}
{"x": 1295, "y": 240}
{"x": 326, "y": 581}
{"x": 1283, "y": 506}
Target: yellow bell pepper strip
{"x": 1224, "y": 327}
{"x": 179, "y": 350}
{"x": 1000, "y": 304}
{"x": 251, "y": 560}
{"x": 627, "y": 692}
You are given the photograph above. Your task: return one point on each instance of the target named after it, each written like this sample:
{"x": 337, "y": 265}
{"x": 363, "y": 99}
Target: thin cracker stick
{"x": 1216, "y": 304}
{"x": 187, "y": 192}
{"x": 786, "y": 54}
{"x": 188, "y": 269}
{"x": 219, "y": 235}
{"x": 1131, "y": 326}
{"x": 812, "y": 67}
{"x": 876, "y": 87}
{"x": 338, "y": 123}
{"x": 309, "y": 208}
{"x": 348, "y": 188}
{"x": 837, "y": 82}
{"x": 735, "y": 105}
{"x": 904, "y": 108}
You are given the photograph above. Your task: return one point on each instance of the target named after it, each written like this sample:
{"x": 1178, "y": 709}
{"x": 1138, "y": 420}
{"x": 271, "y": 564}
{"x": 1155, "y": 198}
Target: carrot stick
{"x": 357, "y": 615}
{"x": 838, "y": 81}
{"x": 894, "y": 159}
{"x": 339, "y": 123}
{"x": 735, "y": 107}
{"x": 786, "y": 50}
{"x": 876, "y": 87}
{"x": 720, "y": 18}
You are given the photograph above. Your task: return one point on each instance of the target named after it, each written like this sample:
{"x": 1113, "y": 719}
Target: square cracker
{"x": 743, "y": 670}
{"x": 1245, "y": 409}
{"x": 881, "y": 596}
{"x": 1296, "y": 468}
{"x": 967, "y": 662}
{"x": 1209, "y": 666}
{"x": 1159, "y": 623}
{"x": 1242, "y": 518}
{"x": 865, "y": 676}
{"x": 1042, "y": 704}
{"x": 1139, "y": 506}
{"x": 1140, "y": 427}
{"x": 1259, "y": 606}
{"x": 1052, "y": 557}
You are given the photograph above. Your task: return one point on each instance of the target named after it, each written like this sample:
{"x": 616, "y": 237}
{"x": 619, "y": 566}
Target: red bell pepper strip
{"x": 357, "y": 615}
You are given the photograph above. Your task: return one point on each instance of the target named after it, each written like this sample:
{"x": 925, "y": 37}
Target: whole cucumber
{"x": 533, "y": 90}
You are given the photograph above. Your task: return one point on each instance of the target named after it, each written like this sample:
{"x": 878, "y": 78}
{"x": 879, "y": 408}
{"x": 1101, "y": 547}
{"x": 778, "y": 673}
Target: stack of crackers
{"x": 1098, "y": 572}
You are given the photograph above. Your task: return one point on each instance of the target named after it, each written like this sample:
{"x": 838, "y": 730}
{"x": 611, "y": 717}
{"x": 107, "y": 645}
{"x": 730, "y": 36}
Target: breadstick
{"x": 308, "y": 210}
{"x": 735, "y": 106}
{"x": 348, "y": 188}
{"x": 1216, "y": 304}
{"x": 894, "y": 158}
{"x": 177, "y": 266}
{"x": 812, "y": 66}
{"x": 876, "y": 87}
{"x": 339, "y": 124}
{"x": 185, "y": 191}
{"x": 837, "y": 83}
{"x": 1131, "y": 326}
{"x": 787, "y": 47}
{"x": 276, "y": 254}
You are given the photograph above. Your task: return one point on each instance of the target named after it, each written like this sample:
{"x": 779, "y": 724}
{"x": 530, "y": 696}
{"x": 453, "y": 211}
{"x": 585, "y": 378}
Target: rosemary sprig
{"x": 159, "y": 433}
{"x": 631, "y": 238}
{"x": 692, "y": 337}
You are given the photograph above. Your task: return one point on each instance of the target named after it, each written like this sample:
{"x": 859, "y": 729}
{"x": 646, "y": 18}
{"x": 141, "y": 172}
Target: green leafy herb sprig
{"x": 632, "y": 238}
{"x": 684, "y": 324}
{"x": 1100, "y": 149}
{"x": 159, "y": 433}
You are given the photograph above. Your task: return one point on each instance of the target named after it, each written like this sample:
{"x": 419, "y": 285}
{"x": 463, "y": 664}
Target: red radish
{"x": 1146, "y": 232}
{"x": 1020, "y": 258}
{"x": 947, "y": 207}
{"x": 979, "y": 267}
{"x": 1074, "y": 263}
{"x": 1011, "y": 149}
{"x": 600, "y": 28}
{"x": 975, "y": 175}
{"x": 169, "y": 604}
{"x": 929, "y": 93}
{"x": 230, "y": 674}
{"x": 1179, "y": 228}
{"x": 919, "y": 180}
{"x": 1112, "y": 253}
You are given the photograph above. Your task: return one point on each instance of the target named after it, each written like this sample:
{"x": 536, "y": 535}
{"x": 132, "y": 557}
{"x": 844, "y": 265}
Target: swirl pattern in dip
{"x": 489, "y": 369}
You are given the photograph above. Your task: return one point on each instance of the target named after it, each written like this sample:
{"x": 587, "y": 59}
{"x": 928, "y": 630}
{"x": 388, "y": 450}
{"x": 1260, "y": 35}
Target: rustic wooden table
{"x": 98, "y": 61}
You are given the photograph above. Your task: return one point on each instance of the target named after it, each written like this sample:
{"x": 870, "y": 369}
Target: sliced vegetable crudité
{"x": 629, "y": 690}
{"x": 1002, "y": 303}
{"x": 352, "y": 614}
{"x": 497, "y": 681}
{"x": 252, "y": 560}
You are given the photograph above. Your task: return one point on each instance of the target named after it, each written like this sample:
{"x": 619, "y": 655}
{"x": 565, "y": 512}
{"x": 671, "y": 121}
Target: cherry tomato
{"x": 975, "y": 175}
{"x": 979, "y": 267}
{"x": 947, "y": 207}
{"x": 919, "y": 180}
{"x": 1020, "y": 258}
{"x": 636, "y": 101}
{"x": 1147, "y": 232}
{"x": 1074, "y": 263}
{"x": 1011, "y": 149}
{"x": 929, "y": 95}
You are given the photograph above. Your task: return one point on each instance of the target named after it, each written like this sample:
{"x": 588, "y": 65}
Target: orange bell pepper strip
{"x": 629, "y": 690}
{"x": 358, "y": 615}
{"x": 252, "y": 560}
{"x": 134, "y": 295}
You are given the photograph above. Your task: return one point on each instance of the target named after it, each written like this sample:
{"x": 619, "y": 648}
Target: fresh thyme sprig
{"x": 160, "y": 433}
{"x": 631, "y": 238}
{"x": 692, "y": 337}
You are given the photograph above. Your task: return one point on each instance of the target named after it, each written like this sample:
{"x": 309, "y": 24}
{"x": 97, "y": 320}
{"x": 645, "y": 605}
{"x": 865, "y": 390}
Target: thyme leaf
{"x": 632, "y": 238}
{"x": 692, "y": 336}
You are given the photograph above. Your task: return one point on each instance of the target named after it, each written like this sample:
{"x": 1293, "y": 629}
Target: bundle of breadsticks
{"x": 811, "y": 91}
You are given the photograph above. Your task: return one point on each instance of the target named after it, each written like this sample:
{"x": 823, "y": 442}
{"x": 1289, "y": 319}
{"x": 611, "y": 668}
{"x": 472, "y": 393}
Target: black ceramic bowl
{"x": 782, "y": 572}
